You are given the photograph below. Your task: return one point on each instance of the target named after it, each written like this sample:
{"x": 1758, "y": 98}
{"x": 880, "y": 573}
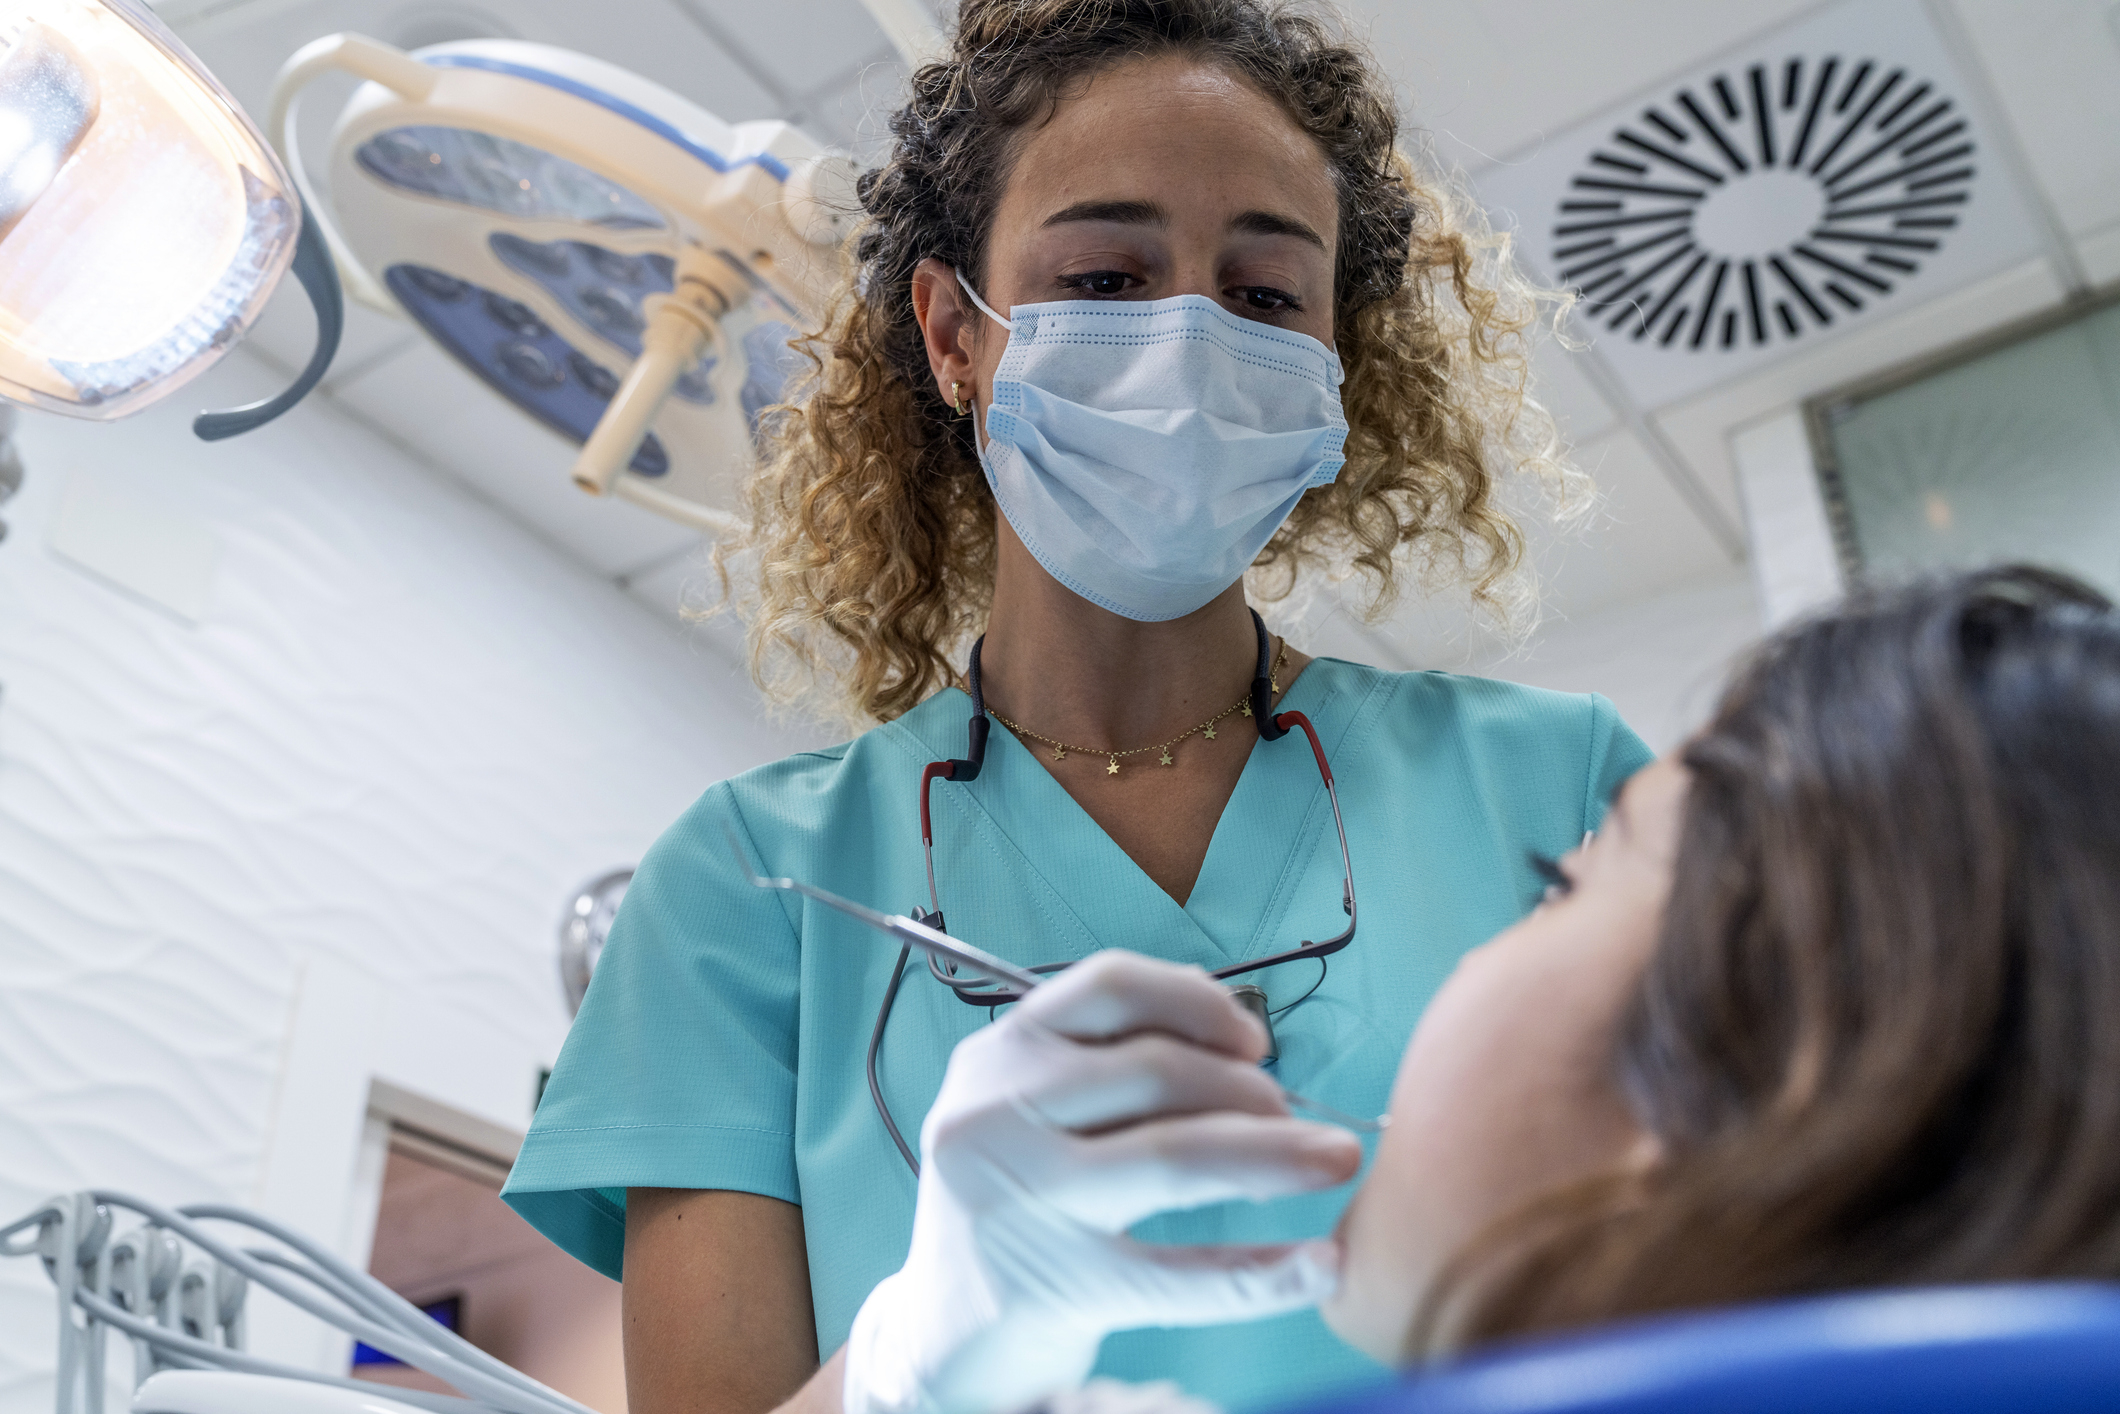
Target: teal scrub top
{"x": 722, "y": 1041}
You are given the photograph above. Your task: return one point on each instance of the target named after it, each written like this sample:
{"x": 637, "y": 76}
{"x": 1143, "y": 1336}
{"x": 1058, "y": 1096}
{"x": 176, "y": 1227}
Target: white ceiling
{"x": 1488, "y": 80}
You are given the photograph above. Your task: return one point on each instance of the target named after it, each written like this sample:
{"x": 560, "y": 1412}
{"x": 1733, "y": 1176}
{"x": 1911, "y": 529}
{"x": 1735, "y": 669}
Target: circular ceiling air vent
{"x": 1760, "y": 203}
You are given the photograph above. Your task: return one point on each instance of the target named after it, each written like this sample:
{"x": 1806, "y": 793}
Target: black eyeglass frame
{"x": 980, "y": 992}
{"x": 1272, "y": 727}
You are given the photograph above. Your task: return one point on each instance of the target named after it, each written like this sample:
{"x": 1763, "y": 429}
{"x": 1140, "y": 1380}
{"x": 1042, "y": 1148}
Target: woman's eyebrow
{"x": 1127, "y": 213}
{"x": 1268, "y": 223}
{"x": 1147, "y": 213}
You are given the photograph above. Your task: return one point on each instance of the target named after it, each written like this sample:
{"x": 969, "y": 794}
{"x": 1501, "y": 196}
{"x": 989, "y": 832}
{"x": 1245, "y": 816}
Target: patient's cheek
{"x": 1506, "y": 1092}
{"x": 1424, "y": 1187}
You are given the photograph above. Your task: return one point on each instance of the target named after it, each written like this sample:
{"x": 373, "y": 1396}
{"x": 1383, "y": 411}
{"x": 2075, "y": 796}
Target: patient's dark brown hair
{"x": 1879, "y": 1040}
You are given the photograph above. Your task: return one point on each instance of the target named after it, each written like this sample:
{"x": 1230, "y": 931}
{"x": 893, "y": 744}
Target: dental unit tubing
{"x": 188, "y": 1316}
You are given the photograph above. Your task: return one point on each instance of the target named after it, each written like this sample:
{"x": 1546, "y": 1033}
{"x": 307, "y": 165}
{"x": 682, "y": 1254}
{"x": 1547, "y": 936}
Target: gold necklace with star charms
{"x": 1205, "y": 731}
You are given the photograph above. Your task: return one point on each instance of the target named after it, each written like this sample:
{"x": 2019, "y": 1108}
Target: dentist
{"x": 1147, "y": 299}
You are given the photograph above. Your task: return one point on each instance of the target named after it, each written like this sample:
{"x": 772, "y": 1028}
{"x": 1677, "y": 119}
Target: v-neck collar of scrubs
{"x": 1267, "y": 838}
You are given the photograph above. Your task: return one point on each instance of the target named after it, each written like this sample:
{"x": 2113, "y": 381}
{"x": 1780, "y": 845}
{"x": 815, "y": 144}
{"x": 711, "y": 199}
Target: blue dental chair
{"x": 2034, "y": 1348}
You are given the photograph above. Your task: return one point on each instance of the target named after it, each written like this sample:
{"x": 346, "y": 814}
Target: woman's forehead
{"x": 1148, "y": 129}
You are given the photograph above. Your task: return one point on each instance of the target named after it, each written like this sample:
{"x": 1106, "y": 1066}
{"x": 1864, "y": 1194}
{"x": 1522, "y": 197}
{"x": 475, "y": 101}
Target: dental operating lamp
{"x": 617, "y": 262}
{"x": 143, "y": 219}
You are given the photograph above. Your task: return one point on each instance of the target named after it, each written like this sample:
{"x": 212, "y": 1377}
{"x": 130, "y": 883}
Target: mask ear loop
{"x": 1010, "y": 328}
{"x": 984, "y": 307}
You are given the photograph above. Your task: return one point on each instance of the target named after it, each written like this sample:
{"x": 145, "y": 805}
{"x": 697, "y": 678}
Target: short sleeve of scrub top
{"x": 722, "y": 1042}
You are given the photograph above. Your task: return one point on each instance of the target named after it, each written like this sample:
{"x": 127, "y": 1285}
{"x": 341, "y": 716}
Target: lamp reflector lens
{"x": 47, "y": 102}
{"x": 499, "y": 174}
{"x": 143, "y": 221}
{"x": 516, "y": 354}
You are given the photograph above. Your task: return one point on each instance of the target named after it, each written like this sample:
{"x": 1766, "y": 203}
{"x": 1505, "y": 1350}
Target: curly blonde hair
{"x": 872, "y": 525}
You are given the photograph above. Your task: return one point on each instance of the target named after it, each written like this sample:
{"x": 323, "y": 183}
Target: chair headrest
{"x": 2040, "y": 1348}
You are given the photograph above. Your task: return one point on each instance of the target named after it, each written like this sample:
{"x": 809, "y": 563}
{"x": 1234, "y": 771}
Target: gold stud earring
{"x": 956, "y": 401}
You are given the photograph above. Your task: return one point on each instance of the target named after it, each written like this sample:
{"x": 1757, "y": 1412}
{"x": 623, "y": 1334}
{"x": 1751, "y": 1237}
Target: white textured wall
{"x": 401, "y": 731}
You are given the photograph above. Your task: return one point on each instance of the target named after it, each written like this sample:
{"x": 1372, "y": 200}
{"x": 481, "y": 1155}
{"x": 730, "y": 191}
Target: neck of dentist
{"x": 1075, "y": 670}
{"x": 1081, "y": 673}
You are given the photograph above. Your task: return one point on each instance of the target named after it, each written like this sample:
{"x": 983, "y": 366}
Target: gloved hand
{"x": 1122, "y": 1088}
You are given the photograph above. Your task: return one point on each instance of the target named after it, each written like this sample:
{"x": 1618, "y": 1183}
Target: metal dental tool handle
{"x": 913, "y": 932}
{"x": 940, "y": 945}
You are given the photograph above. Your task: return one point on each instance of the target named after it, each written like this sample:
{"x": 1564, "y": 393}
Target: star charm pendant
{"x": 1210, "y": 734}
{"x": 1111, "y": 767}
{"x": 1245, "y": 709}
{"x": 1166, "y": 759}
{"x": 1059, "y": 753}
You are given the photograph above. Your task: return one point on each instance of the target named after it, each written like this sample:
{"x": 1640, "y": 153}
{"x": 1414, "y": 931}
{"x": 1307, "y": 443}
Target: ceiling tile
{"x": 425, "y": 401}
{"x": 1642, "y": 537}
{"x": 686, "y": 582}
{"x": 800, "y": 45}
{"x": 245, "y": 43}
{"x": 1558, "y": 381}
{"x": 1494, "y": 75}
{"x": 679, "y": 584}
{"x": 1712, "y": 241}
{"x": 2055, "y": 65}
{"x": 856, "y": 113}
{"x": 2100, "y": 253}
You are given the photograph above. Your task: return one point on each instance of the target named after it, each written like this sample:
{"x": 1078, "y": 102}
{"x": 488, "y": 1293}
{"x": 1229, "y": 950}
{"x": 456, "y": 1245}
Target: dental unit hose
{"x": 182, "y": 1315}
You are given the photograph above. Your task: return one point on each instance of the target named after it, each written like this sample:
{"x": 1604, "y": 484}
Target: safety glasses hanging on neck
{"x": 1272, "y": 727}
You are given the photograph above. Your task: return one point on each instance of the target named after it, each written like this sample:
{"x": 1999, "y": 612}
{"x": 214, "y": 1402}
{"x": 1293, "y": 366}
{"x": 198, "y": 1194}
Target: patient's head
{"x": 1831, "y": 1001}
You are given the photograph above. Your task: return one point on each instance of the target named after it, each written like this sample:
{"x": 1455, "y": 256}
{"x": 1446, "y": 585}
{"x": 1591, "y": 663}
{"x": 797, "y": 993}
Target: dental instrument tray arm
{"x": 189, "y": 1316}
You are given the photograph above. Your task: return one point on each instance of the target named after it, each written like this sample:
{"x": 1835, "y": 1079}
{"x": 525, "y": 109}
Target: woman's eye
{"x": 1264, "y": 299}
{"x": 1099, "y": 284}
{"x": 1558, "y": 884}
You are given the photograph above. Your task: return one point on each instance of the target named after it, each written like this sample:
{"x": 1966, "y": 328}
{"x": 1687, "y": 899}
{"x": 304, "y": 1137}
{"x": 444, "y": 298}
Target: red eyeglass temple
{"x": 944, "y": 769}
{"x": 1285, "y": 720}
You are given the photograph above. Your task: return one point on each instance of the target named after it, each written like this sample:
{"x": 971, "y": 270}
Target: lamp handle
{"x": 322, "y": 261}
{"x": 364, "y": 58}
{"x": 312, "y": 266}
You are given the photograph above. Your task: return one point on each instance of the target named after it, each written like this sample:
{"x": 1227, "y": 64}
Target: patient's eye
{"x": 1558, "y": 884}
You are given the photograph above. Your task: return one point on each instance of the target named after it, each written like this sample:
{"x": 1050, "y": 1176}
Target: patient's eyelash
{"x": 1548, "y": 868}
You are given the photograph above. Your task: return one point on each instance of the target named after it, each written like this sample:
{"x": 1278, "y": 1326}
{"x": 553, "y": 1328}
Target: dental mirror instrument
{"x": 937, "y": 944}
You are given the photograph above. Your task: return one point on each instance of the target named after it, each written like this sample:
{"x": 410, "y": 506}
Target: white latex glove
{"x": 1122, "y": 1088}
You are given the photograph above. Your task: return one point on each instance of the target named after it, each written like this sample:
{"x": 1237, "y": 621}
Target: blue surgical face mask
{"x": 1146, "y": 452}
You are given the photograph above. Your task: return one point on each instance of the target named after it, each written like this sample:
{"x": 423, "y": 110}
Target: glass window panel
{"x": 2012, "y": 455}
